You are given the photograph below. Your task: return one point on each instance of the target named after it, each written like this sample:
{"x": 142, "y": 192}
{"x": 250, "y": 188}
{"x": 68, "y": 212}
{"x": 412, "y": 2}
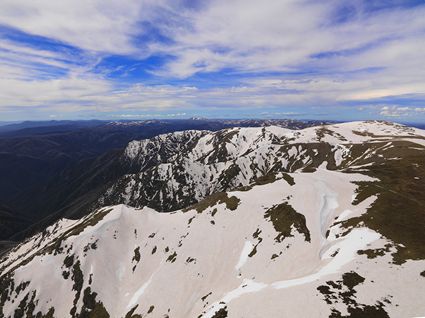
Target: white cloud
{"x": 98, "y": 25}
{"x": 285, "y": 35}
{"x": 374, "y": 55}
{"x": 247, "y": 35}
{"x": 371, "y": 56}
{"x": 400, "y": 111}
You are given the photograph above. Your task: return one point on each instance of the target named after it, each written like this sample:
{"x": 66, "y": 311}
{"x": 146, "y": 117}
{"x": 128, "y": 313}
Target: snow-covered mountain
{"x": 178, "y": 169}
{"x": 267, "y": 222}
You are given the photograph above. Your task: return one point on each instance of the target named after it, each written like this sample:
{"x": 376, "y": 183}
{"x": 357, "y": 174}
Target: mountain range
{"x": 56, "y": 168}
{"x": 324, "y": 221}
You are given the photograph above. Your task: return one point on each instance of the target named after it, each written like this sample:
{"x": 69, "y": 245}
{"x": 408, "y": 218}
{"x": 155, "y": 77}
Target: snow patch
{"x": 247, "y": 248}
{"x": 347, "y": 248}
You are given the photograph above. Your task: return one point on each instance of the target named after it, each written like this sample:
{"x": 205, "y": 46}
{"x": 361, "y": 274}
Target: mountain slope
{"x": 171, "y": 176}
{"x": 237, "y": 254}
{"x": 332, "y": 217}
{"x": 47, "y": 167}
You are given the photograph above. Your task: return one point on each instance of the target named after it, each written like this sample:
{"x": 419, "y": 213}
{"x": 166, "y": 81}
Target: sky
{"x": 140, "y": 59}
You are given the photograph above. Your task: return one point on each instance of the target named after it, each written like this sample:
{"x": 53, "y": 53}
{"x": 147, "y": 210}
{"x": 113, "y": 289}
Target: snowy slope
{"x": 228, "y": 257}
{"x": 329, "y": 228}
{"x": 182, "y": 168}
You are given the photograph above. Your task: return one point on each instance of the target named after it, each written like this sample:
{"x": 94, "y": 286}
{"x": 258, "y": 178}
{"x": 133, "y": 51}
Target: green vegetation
{"x": 283, "y": 216}
{"x": 343, "y": 290}
{"x": 190, "y": 260}
{"x": 214, "y": 199}
{"x": 225, "y": 180}
{"x": 26, "y": 308}
{"x": 288, "y": 179}
{"x": 68, "y": 261}
{"x": 323, "y": 131}
{"x": 253, "y": 252}
{"x": 90, "y": 246}
{"x": 205, "y": 297}
{"x": 172, "y": 258}
{"x": 7, "y": 286}
{"x": 131, "y": 314}
{"x": 398, "y": 213}
{"x": 266, "y": 179}
{"x": 313, "y": 155}
{"x": 78, "y": 278}
{"x": 92, "y": 308}
{"x": 373, "y": 253}
{"x": 256, "y": 235}
{"x": 221, "y": 313}
{"x": 136, "y": 258}
{"x": 55, "y": 246}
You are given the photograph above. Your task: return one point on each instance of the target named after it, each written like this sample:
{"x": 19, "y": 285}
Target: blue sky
{"x": 128, "y": 59}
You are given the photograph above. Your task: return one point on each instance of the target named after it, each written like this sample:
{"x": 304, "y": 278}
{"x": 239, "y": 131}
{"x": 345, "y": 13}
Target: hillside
{"x": 177, "y": 169}
{"x": 260, "y": 222}
{"x": 52, "y": 169}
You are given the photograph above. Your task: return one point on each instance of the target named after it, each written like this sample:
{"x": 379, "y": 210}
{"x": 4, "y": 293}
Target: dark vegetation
{"x": 172, "y": 257}
{"x": 131, "y": 314}
{"x": 373, "y": 253}
{"x": 214, "y": 199}
{"x": 256, "y": 236}
{"x": 399, "y": 210}
{"x": 92, "y": 308}
{"x": 343, "y": 291}
{"x": 136, "y": 258}
{"x": 283, "y": 216}
{"x": 221, "y": 313}
{"x": 56, "y": 247}
{"x": 288, "y": 179}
